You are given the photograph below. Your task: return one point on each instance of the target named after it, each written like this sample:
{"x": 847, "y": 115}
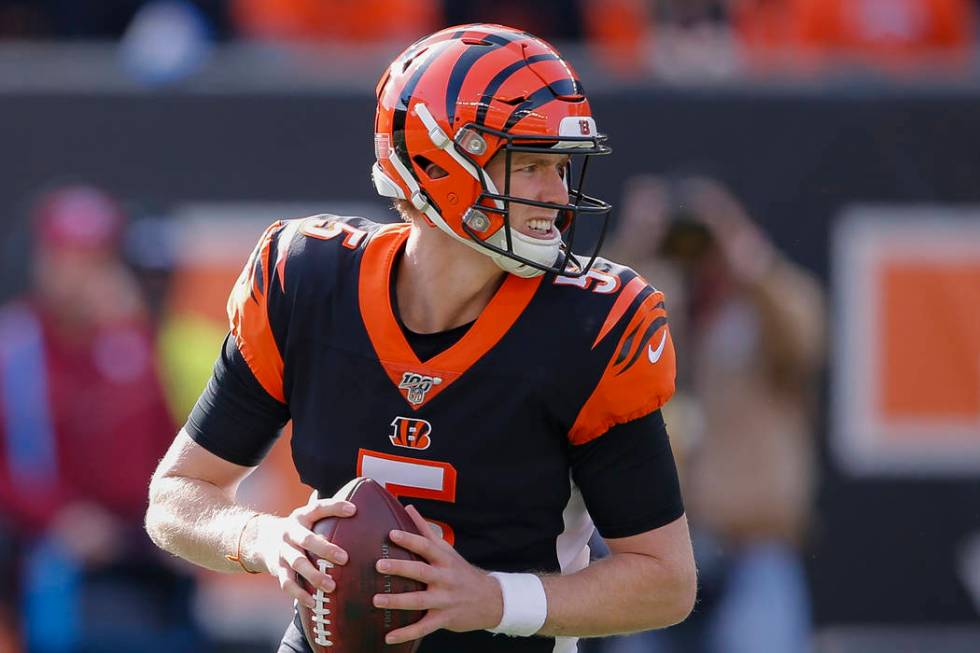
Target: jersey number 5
{"x": 327, "y": 230}
{"x": 412, "y": 477}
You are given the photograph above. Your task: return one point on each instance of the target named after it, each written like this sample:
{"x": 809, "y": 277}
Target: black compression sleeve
{"x": 628, "y": 477}
{"x": 235, "y": 418}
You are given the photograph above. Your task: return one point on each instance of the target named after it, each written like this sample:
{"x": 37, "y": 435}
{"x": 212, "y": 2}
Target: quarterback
{"x": 505, "y": 387}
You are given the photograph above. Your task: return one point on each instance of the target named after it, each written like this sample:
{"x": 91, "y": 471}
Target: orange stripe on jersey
{"x": 248, "y": 315}
{"x": 639, "y": 377}
{"x": 623, "y": 302}
{"x": 401, "y": 364}
{"x": 282, "y": 249}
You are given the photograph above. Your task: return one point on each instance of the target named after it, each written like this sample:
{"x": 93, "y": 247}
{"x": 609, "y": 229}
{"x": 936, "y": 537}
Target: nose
{"x": 553, "y": 187}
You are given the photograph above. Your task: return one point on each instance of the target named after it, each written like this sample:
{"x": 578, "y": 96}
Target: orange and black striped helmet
{"x": 459, "y": 97}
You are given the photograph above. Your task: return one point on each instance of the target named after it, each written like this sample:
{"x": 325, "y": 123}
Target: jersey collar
{"x": 420, "y": 381}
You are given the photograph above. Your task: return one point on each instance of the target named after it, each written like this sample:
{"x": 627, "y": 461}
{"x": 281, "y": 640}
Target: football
{"x": 346, "y": 621}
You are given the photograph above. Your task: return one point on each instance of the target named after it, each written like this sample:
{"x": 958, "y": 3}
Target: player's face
{"x": 533, "y": 176}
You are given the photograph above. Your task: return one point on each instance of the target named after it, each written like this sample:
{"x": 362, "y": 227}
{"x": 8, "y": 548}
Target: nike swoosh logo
{"x": 654, "y": 354}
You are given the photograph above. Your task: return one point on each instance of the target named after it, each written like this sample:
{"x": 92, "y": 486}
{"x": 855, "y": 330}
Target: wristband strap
{"x": 238, "y": 554}
{"x": 525, "y": 604}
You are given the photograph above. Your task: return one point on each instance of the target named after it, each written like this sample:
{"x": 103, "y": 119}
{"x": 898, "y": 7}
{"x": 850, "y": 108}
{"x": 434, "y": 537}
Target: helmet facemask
{"x": 531, "y": 255}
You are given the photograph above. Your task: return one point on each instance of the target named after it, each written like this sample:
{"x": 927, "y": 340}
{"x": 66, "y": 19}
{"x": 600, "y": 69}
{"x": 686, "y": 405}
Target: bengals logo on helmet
{"x": 410, "y": 433}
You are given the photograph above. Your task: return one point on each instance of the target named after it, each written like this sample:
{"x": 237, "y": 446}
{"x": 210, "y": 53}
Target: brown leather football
{"x": 345, "y": 620}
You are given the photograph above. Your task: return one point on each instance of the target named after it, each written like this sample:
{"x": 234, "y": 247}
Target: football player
{"x": 506, "y": 388}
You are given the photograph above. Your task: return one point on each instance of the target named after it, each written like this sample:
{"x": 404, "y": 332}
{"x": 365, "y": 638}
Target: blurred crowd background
{"x": 801, "y": 178}
{"x": 630, "y": 37}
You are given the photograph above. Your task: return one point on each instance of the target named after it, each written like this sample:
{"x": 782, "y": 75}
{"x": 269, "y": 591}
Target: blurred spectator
{"x": 669, "y": 38}
{"x": 345, "y": 20}
{"x": 618, "y": 33}
{"x": 693, "y": 40}
{"x": 83, "y": 422}
{"x": 166, "y": 42}
{"x": 881, "y": 32}
{"x": 750, "y": 326}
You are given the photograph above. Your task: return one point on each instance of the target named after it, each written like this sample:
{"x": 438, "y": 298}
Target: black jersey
{"x": 503, "y": 441}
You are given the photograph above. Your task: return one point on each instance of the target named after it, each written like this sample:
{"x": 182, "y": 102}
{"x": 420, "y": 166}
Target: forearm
{"x": 626, "y": 592}
{"x": 201, "y": 523}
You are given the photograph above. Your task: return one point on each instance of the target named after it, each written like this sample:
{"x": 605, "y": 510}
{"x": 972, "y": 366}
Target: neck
{"x": 441, "y": 282}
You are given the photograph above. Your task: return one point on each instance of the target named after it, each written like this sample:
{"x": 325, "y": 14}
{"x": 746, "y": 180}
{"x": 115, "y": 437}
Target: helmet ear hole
{"x": 431, "y": 170}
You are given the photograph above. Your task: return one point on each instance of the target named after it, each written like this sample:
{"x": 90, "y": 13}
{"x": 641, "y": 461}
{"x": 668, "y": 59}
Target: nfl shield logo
{"x": 417, "y": 385}
{"x": 584, "y": 127}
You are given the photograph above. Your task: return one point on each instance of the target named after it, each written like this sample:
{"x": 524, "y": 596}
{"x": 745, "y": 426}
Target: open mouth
{"x": 540, "y": 228}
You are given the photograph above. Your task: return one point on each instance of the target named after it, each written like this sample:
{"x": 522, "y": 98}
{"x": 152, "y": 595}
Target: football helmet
{"x": 459, "y": 97}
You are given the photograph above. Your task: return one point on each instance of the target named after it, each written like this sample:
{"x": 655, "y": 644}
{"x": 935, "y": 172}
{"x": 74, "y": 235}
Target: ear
{"x": 431, "y": 170}
{"x": 435, "y": 171}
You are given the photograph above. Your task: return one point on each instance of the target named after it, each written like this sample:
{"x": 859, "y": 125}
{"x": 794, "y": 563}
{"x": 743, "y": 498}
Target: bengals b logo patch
{"x": 410, "y": 433}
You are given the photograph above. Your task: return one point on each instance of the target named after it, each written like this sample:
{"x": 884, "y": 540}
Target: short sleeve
{"x": 243, "y": 407}
{"x": 628, "y": 478}
{"x": 235, "y": 418}
{"x": 638, "y": 377}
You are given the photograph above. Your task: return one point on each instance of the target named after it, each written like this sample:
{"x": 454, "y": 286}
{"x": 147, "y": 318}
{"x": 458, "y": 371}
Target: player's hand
{"x": 458, "y": 596}
{"x": 287, "y": 539}
{"x": 643, "y": 216}
{"x": 744, "y": 245}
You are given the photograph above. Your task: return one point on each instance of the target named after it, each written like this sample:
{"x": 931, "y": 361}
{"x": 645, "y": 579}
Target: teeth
{"x": 544, "y": 226}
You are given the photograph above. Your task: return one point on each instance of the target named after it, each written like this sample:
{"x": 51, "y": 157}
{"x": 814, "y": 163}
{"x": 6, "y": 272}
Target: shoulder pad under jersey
{"x": 630, "y": 342}
{"x": 287, "y": 252}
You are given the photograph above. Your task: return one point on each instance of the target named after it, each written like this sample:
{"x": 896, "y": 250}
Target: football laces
{"x": 321, "y": 611}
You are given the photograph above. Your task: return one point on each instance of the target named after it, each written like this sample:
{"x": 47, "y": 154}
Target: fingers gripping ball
{"x": 345, "y": 621}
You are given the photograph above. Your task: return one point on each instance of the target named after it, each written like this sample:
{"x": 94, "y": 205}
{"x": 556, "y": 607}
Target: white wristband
{"x": 525, "y": 604}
